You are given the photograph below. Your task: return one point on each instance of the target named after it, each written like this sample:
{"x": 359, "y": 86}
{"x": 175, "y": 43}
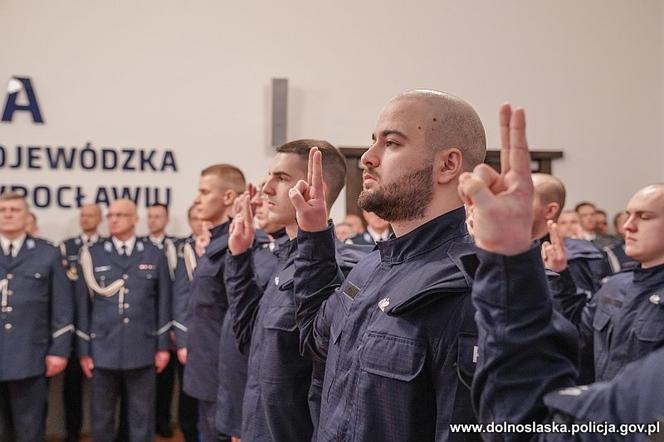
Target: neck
{"x": 124, "y": 236}
{"x": 377, "y": 230}
{"x": 437, "y": 208}
{"x": 218, "y": 220}
{"x": 291, "y": 230}
{"x": 90, "y": 233}
{"x": 158, "y": 234}
{"x": 652, "y": 263}
{"x": 13, "y": 235}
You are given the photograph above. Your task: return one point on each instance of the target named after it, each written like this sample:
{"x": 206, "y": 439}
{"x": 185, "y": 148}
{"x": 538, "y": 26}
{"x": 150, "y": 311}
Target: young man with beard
{"x": 276, "y": 401}
{"x": 218, "y": 187}
{"x": 398, "y": 336}
{"x": 525, "y": 370}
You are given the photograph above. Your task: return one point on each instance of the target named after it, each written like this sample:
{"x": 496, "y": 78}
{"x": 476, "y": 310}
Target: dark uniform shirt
{"x": 207, "y": 309}
{"x": 626, "y": 319}
{"x": 526, "y": 370}
{"x": 36, "y": 311}
{"x": 232, "y": 363}
{"x": 124, "y": 330}
{"x": 398, "y": 336}
{"x": 184, "y": 270}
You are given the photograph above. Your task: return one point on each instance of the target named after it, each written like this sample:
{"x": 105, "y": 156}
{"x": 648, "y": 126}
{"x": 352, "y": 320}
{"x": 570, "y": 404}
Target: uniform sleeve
{"x": 83, "y": 312}
{"x": 317, "y": 276}
{"x": 526, "y": 349}
{"x": 164, "y": 311}
{"x": 181, "y": 292}
{"x": 244, "y": 295}
{"x": 62, "y": 309}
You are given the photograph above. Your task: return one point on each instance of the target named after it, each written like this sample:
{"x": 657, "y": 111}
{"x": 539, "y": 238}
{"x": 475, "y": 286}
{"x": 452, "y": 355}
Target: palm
{"x": 308, "y": 197}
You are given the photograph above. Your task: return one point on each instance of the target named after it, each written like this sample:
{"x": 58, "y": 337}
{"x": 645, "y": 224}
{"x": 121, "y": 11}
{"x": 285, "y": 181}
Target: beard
{"x": 402, "y": 200}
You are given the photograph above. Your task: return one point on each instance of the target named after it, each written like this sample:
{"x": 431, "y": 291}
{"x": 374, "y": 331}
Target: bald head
{"x": 644, "y": 227}
{"x": 90, "y": 218}
{"x": 449, "y": 121}
{"x": 549, "y": 189}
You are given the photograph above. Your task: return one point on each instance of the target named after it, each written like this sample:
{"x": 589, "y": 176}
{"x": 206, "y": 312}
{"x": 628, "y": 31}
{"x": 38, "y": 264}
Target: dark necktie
{"x": 10, "y": 255}
{"x": 123, "y": 250}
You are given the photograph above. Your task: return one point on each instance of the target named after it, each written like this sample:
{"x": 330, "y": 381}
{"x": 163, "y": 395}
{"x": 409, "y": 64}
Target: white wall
{"x": 194, "y": 77}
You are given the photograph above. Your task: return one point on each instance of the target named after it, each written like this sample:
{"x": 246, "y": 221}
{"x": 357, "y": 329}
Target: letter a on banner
{"x": 15, "y": 86}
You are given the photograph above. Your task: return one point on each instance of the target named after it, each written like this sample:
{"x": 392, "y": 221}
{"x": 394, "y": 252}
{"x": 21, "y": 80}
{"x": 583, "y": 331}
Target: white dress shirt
{"x": 16, "y": 243}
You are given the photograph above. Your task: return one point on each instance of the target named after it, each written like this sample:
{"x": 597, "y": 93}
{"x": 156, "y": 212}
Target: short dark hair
{"x": 583, "y": 204}
{"x": 334, "y": 163}
{"x": 9, "y": 196}
{"x": 601, "y": 212}
{"x": 232, "y": 176}
{"x": 163, "y": 206}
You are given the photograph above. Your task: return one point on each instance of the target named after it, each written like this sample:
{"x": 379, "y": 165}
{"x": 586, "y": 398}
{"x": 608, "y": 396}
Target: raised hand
{"x": 203, "y": 240}
{"x": 308, "y": 197}
{"x": 554, "y": 253}
{"x": 242, "y": 231}
{"x": 503, "y": 203}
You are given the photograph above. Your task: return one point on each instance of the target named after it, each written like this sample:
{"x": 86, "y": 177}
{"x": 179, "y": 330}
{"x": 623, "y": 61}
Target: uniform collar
{"x": 379, "y": 236}
{"x": 287, "y": 248}
{"x": 157, "y": 240}
{"x": 654, "y": 275}
{"x": 219, "y": 230}
{"x": 17, "y": 243}
{"x": 128, "y": 243}
{"x": 425, "y": 237}
{"x": 89, "y": 239}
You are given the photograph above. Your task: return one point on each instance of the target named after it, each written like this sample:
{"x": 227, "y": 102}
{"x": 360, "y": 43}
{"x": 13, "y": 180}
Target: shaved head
{"x": 123, "y": 205}
{"x": 448, "y": 121}
{"x": 549, "y": 189}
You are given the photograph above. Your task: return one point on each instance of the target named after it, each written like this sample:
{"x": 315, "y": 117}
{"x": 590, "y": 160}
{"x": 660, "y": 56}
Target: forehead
{"x": 14, "y": 203}
{"x": 569, "y": 216}
{"x": 409, "y": 116}
{"x": 121, "y": 206}
{"x": 289, "y": 163}
{"x": 650, "y": 199}
{"x": 156, "y": 210}
{"x": 210, "y": 180}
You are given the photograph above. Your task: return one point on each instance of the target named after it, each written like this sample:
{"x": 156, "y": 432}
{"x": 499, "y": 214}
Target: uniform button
{"x": 9, "y": 276}
{"x": 126, "y": 320}
{"x": 10, "y": 309}
{"x": 92, "y": 335}
{"x": 126, "y": 305}
{"x": 8, "y": 326}
{"x": 10, "y": 292}
{"x": 126, "y": 290}
{"x": 125, "y": 277}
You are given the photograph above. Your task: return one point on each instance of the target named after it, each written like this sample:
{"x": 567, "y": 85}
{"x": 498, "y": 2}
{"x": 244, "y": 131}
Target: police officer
{"x": 124, "y": 315}
{"x": 232, "y": 362}
{"x": 72, "y": 385}
{"x": 525, "y": 369}
{"x": 218, "y": 187}
{"x": 398, "y": 336}
{"x": 158, "y": 218}
{"x": 184, "y": 273}
{"x": 36, "y": 321}
{"x": 377, "y": 230}
{"x": 276, "y": 401}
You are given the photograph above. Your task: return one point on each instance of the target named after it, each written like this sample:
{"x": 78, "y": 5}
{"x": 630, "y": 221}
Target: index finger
{"x": 553, "y": 233}
{"x": 519, "y": 157}
{"x": 310, "y": 166}
{"x": 317, "y": 175}
{"x": 505, "y": 116}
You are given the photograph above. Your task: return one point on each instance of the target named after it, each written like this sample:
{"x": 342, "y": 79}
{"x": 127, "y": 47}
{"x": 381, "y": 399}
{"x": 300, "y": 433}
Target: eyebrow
{"x": 280, "y": 174}
{"x": 388, "y": 132}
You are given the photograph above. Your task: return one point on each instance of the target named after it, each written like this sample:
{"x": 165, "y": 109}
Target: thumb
{"x": 475, "y": 190}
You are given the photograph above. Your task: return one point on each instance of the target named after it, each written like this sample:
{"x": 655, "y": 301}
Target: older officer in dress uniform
{"x": 124, "y": 315}
{"x": 218, "y": 187}
{"x": 36, "y": 321}
{"x": 72, "y": 385}
{"x": 525, "y": 369}
{"x": 398, "y": 336}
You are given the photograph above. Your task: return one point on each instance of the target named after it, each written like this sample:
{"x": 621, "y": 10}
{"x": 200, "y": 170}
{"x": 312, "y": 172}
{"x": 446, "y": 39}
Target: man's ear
{"x": 551, "y": 210}
{"x": 448, "y": 165}
{"x": 229, "y": 197}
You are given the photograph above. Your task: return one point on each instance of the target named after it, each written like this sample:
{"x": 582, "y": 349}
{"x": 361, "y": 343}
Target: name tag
{"x": 146, "y": 267}
{"x": 102, "y": 268}
{"x": 349, "y": 289}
